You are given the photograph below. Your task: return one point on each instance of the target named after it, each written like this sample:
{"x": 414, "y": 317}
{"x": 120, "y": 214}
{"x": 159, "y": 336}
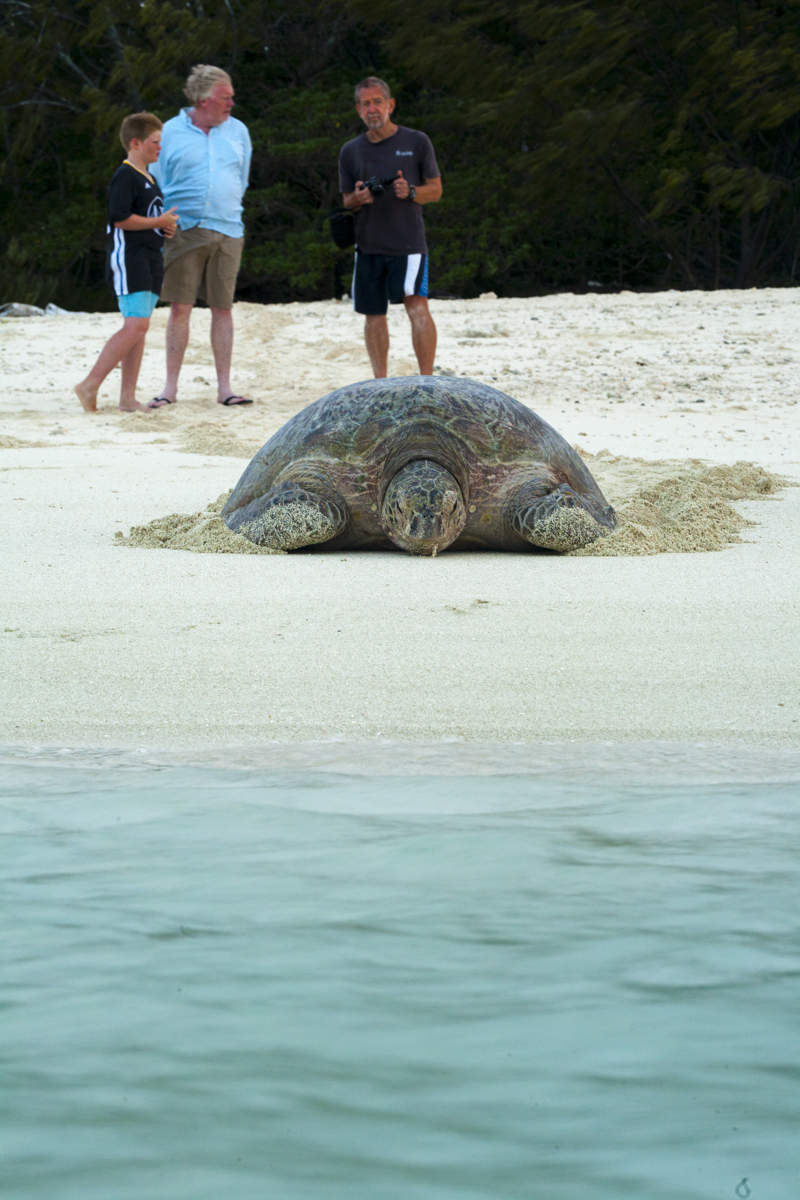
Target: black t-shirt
{"x": 133, "y": 256}
{"x": 389, "y": 225}
{"x": 132, "y": 194}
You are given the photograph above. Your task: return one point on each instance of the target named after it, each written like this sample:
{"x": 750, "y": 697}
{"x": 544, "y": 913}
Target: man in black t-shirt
{"x": 391, "y": 263}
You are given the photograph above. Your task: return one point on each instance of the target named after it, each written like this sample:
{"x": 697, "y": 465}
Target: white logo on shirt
{"x": 404, "y": 153}
{"x": 155, "y": 209}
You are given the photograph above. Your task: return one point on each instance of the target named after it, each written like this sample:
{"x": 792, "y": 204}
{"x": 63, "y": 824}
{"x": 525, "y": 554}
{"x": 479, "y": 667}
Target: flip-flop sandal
{"x": 236, "y": 400}
{"x": 160, "y": 401}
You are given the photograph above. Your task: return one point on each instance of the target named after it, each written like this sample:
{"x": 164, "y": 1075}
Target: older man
{"x": 204, "y": 169}
{"x": 391, "y": 252}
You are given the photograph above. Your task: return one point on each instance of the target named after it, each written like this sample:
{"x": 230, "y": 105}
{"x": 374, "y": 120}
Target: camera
{"x": 378, "y": 186}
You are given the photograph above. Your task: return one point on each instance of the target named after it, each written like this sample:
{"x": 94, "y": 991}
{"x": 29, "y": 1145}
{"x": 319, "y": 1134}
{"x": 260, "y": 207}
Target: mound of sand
{"x": 663, "y": 507}
{"x": 209, "y": 439}
{"x": 203, "y": 533}
{"x": 675, "y": 507}
{"x": 12, "y": 443}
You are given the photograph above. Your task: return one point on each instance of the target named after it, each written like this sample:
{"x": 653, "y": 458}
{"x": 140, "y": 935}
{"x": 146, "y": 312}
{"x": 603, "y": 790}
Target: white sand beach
{"x": 109, "y": 645}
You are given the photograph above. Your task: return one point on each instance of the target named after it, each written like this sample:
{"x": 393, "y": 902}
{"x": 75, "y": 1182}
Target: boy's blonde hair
{"x": 202, "y": 81}
{"x": 140, "y": 126}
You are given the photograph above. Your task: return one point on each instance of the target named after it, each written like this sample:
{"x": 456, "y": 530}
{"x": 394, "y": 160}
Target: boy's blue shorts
{"x": 138, "y": 304}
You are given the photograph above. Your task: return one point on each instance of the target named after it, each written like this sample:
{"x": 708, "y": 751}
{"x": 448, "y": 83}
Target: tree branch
{"x": 646, "y": 222}
{"x": 119, "y": 45}
{"x": 234, "y": 45}
{"x": 52, "y": 103}
{"x": 73, "y": 66}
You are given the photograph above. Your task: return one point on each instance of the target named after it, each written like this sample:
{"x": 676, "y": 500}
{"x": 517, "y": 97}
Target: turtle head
{"x": 423, "y": 509}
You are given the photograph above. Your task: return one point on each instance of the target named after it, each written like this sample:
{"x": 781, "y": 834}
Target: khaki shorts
{"x": 201, "y": 264}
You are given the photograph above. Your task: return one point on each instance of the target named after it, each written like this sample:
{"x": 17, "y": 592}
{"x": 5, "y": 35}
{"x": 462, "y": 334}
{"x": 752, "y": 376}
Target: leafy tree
{"x": 73, "y": 72}
{"x": 70, "y": 74}
{"x": 644, "y": 143}
{"x": 676, "y": 122}
{"x": 296, "y": 88}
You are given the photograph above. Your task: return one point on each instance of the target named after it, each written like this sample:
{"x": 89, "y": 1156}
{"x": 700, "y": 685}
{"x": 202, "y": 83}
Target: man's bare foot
{"x": 135, "y": 407}
{"x": 87, "y": 396}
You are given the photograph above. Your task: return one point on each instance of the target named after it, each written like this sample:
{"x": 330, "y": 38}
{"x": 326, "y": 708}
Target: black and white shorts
{"x": 132, "y": 267}
{"x": 383, "y": 279}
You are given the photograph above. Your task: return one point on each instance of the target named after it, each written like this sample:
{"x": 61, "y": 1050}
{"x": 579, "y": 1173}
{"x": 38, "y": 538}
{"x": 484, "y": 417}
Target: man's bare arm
{"x": 427, "y": 193}
{"x": 358, "y": 198}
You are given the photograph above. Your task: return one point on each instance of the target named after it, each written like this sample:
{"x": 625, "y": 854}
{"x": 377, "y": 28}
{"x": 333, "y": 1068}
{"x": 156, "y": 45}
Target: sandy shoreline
{"x": 107, "y": 646}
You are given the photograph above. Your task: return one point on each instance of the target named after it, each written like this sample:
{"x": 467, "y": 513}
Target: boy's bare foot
{"x": 87, "y": 396}
{"x": 135, "y": 407}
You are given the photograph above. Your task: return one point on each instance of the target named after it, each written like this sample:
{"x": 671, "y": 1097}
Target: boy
{"x": 136, "y": 228}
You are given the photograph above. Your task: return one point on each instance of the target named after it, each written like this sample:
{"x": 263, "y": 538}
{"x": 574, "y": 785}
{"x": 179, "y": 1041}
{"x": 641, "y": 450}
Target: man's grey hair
{"x": 370, "y": 82}
{"x": 202, "y": 81}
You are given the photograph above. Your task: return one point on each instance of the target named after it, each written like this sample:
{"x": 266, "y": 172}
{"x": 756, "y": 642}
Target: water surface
{"x": 312, "y": 986}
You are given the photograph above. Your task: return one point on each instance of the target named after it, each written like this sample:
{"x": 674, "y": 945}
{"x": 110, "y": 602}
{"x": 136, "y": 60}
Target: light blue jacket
{"x": 205, "y": 175}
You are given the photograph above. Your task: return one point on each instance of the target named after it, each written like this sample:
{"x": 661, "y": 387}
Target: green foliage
{"x": 679, "y": 121}
{"x": 637, "y": 143}
{"x": 70, "y": 75}
{"x": 290, "y": 254}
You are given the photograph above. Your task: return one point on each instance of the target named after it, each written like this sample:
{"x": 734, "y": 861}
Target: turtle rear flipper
{"x": 560, "y": 520}
{"x": 290, "y": 516}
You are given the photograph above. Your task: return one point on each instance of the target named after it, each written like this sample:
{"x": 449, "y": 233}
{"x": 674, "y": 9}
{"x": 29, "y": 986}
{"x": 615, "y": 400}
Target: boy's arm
{"x": 121, "y": 195}
{"x": 167, "y": 221}
{"x": 120, "y": 199}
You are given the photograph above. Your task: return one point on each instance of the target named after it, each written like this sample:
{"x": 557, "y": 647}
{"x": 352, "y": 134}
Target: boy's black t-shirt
{"x": 389, "y": 225}
{"x": 134, "y": 261}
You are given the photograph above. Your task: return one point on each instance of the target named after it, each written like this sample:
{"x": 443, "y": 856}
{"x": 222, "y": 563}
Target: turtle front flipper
{"x": 562, "y": 519}
{"x": 290, "y": 516}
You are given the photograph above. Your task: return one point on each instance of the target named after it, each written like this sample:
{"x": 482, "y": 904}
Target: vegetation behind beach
{"x": 583, "y": 143}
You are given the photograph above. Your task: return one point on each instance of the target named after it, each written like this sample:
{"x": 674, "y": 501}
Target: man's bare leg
{"x": 376, "y": 335}
{"x": 423, "y": 332}
{"x": 130, "y": 365}
{"x": 222, "y": 346}
{"x": 116, "y": 348}
{"x": 180, "y": 316}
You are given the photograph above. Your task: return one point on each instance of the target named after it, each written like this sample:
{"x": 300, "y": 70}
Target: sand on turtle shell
{"x": 203, "y": 533}
{"x": 663, "y": 507}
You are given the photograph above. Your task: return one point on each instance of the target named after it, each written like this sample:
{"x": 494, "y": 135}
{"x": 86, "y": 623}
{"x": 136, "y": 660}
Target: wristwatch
{"x": 412, "y": 192}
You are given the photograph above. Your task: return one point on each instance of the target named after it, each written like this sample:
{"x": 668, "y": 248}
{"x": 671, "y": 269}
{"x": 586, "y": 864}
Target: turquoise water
{"x": 257, "y": 984}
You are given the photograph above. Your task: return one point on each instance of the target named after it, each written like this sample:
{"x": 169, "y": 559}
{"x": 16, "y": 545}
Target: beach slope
{"x": 108, "y": 645}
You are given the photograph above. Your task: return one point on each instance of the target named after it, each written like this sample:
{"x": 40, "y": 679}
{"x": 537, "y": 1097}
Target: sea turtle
{"x": 422, "y": 463}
